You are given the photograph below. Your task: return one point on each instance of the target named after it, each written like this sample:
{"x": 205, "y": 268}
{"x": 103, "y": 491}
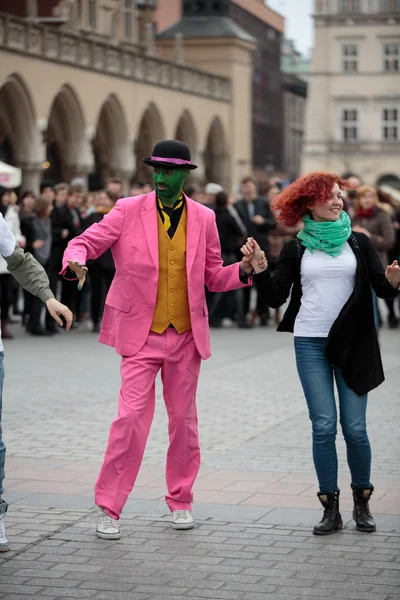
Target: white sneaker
{"x": 4, "y": 545}
{"x": 182, "y": 519}
{"x": 107, "y": 527}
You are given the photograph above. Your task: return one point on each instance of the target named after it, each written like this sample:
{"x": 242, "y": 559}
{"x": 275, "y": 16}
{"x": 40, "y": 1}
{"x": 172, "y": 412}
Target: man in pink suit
{"x": 166, "y": 249}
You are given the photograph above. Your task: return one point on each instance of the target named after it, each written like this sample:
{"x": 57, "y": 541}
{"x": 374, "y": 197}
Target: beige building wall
{"x": 230, "y": 58}
{"x": 348, "y": 74}
{"x": 90, "y": 95}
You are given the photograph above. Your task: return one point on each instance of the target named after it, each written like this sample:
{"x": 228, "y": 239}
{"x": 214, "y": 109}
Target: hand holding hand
{"x": 254, "y": 255}
{"x": 393, "y": 274}
{"x": 80, "y": 271}
{"x": 56, "y": 309}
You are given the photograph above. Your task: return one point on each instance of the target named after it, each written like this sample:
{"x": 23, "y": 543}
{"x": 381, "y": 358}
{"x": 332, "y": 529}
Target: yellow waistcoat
{"x": 172, "y": 305}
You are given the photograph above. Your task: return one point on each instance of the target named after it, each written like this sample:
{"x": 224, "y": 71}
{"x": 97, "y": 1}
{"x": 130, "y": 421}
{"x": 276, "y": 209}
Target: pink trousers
{"x": 177, "y": 357}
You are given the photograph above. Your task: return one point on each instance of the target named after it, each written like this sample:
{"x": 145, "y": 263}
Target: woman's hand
{"x": 393, "y": 274}
{"x": 254, "y": 255}
{"x": 38, "y": 244}
{"x": 80, "y": 271}
{"x": 56, "y": 309}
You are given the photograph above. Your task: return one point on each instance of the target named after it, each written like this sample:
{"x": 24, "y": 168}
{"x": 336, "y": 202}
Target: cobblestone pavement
{"x": 60, "y": 558}
{"x": 255, "y": 495}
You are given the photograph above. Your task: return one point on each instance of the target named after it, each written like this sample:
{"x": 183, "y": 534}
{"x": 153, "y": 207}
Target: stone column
{"x": 31, "y": 176}
{"x": 198, "y": 175}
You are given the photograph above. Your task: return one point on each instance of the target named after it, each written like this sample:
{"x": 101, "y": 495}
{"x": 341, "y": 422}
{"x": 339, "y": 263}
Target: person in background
{"x": 37, "y": 231}
{"x": 232, "y": 233}
{"x": 277, "y": 237}
{"x": 328, "y": 271}
{"x": 71, "y": 214}
{"x": 10, "y": 215}
{"x": 211, "y": 190}
{"x": 393, "y": 209}
{"x": 372, "y": 220}
{"x": 12, "y": 218}
{"x": 353, "y": 182}
{"x": 65, "y": 220}
{"x": 47, "y": 189}
{"x": 102, "y": 269}
{"x": 147, "y": 188}
{"x": 61, "y": 194}
{"x": 89, "y": 204}
{"x": 116, "y": 187}
{"x": 136, "y": 189}
{"x": 26, "y": 204}
{"x": 256, "y": 215}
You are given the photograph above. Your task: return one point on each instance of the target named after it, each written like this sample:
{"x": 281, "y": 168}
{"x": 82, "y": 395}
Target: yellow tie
{"x": 167, "y": 220}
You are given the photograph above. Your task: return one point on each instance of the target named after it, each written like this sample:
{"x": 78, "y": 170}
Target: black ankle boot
{"x": 332, "y": 520}
{"x": 361, "y": 512}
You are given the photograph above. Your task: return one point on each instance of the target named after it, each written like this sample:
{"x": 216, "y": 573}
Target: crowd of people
{"x": 45, "y": 222}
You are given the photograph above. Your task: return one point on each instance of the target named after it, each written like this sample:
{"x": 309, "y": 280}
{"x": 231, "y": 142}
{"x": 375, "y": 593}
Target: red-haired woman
{"x": 330, "y": 271}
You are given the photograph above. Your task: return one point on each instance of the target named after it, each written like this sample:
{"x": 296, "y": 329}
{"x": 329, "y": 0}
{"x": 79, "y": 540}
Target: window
{"x": 391, "y": 56}
{"x": 349, "y": 6}
{"x": 350, "y": 125}
{"x": 128, "y": 19}
{"x": 92, "y": 6}
{"x": 390, "y": 6}
{"x": 350, "y": 58}
{"x": 390, "y": 124}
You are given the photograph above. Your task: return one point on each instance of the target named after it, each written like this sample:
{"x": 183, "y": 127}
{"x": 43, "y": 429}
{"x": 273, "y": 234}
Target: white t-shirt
{"x": 327, "y": 283}
{"x": 7, "y": 245}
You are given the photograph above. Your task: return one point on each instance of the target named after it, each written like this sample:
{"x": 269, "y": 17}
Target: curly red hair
{"x": 291, "y": 204}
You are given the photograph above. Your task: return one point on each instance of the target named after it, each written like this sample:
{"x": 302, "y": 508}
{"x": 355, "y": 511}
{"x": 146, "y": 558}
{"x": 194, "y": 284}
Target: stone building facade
{"x": 85, "y": 93}
{"x": 353, "y": 111}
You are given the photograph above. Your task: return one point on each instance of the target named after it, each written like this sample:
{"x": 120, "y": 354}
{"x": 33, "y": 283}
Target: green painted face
{"x": 169, "y": 183}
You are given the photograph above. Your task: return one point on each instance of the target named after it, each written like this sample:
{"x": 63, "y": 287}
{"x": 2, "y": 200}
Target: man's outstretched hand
{"x": 56, "y": 309}
{"x": 80, "y": 271}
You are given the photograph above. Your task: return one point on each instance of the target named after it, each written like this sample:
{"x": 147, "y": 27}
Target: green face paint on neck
{"x": 169, "y": 184}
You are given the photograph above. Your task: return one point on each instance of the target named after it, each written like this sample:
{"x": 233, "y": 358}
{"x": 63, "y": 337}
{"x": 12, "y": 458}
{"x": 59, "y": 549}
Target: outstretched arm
{"x": 33, "y": 278}
{"x": 273, "y": 289}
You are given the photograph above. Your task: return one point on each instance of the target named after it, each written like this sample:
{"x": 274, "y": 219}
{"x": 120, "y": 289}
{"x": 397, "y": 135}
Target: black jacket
{"x": 352, "y": 344}
{"x": 231, "y": 236}
{"x": 258, "y": 232}
{"x": 105, "y": 260}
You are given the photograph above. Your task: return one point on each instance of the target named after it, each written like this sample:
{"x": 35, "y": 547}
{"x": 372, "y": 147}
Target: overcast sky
{"x": 299, "y": 24}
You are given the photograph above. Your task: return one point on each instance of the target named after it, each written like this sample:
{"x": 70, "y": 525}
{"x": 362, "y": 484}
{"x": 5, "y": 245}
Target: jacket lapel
{"x": 149, "y": 220}
{"x": 193, "y": 233}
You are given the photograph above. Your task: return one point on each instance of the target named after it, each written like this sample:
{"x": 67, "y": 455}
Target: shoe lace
{"x": 106, "y": 520}
{"x": 362, "y": 505}
{"x": 182, "y": 514}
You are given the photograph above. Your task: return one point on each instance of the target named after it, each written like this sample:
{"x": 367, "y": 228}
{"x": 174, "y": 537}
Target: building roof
{"x": 206, "y": 27}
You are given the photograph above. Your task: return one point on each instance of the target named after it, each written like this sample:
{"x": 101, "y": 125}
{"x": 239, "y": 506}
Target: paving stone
{"x": 236, "y": 552}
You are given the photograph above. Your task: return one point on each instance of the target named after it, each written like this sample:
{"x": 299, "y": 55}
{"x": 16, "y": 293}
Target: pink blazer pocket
{"x": 118, "y": 302}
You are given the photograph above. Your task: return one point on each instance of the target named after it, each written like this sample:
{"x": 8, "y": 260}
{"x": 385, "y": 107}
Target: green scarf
{"x": 328, "y": 236}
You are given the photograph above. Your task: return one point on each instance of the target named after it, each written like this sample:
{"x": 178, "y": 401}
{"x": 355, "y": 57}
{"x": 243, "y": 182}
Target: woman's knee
{"x": 355, "y": 432}
{"x": 324, "y": 430}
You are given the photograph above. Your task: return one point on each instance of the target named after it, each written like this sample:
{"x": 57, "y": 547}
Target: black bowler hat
{"x": 170, "y": 154}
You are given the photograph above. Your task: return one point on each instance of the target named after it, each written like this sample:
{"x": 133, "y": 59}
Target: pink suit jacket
{"x": 131, "y": 231}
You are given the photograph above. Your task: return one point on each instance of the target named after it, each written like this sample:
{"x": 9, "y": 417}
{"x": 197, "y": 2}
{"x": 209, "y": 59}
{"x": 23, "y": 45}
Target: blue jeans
{"x": 2, "y": 445}
{"x": 316, "y": 375}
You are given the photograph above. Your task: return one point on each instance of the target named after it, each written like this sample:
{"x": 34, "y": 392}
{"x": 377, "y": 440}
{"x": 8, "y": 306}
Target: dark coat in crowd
{"x": 258, "y": 232}
{"x": 231, "y": 233}
{"x": 105, "y": 261}
{"x": 352, "y": 344}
